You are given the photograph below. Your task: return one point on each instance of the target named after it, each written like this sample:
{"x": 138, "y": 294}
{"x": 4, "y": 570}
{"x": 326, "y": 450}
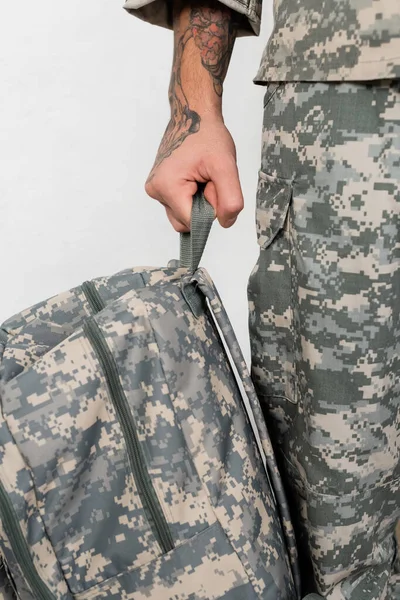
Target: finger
{"x": 229, "y": 193}
{"x": 177, "y": 225}
{"x": 179, "y": 200}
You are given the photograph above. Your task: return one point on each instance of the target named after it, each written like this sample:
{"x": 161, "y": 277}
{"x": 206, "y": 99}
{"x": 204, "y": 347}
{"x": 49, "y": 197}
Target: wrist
{"x": 194, "y": 88}
{"x": 206, "y": 109}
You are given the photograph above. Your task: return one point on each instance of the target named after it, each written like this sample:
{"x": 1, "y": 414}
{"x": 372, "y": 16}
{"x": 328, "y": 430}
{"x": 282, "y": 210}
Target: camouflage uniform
{"x": 324, "y": 296}
{"x": 313, "y": 40}
{"x": 325, "y": 324}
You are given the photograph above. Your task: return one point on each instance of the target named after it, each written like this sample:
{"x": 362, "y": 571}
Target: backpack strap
{"x": 194, "y": 242}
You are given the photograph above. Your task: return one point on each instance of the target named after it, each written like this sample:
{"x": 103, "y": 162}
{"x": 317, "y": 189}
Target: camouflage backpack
{"x": 130, "y": 467}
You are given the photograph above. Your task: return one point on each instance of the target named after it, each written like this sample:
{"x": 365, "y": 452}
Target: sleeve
{"x": 159, "y": 12}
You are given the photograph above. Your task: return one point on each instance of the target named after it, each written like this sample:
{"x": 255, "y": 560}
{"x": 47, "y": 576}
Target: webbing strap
{"x": 194, "y": 242}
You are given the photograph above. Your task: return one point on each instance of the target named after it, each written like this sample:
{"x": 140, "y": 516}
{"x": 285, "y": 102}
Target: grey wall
{"x": 83, "y": 105}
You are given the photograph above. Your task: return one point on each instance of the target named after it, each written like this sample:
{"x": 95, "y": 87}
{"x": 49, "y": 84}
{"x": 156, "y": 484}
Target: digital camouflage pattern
{"x": 325, "y": 326}
{"x": 65, "y": 465}
{"x": 313, "y": 40}
{"x": 6, "y": 589}
{"x": 333, "y": 40}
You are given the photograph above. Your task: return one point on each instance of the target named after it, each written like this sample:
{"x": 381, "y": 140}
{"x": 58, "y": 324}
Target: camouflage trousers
{"x": 325, "y": 325}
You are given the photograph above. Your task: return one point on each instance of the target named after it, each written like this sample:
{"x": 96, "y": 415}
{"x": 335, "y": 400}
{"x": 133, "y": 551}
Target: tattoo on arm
{"x": 213, "y": 31}
{"x": 214, "y": 34}
{"x": 183, "y": 121}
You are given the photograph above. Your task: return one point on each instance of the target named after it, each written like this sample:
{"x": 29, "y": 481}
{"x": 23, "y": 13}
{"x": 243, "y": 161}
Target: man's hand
{"x": 209, "y": 157}
{"x": 196, "y": 146}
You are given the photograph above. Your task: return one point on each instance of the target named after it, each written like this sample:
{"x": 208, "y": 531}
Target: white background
{"x": 83, "y": 106}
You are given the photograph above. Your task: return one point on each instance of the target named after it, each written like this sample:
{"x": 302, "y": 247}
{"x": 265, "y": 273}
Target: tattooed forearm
{"x": 210, "y": 33}
{"x": 183, "y": 121}
{"x": 214, "y": 34}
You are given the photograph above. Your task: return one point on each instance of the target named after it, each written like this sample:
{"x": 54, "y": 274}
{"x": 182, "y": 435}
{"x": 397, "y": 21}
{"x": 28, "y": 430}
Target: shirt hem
{"x": 362, "y": 71}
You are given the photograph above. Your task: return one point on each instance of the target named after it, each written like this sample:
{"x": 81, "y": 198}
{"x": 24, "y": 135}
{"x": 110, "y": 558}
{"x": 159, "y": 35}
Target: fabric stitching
{"x": 292, "y": 296}
{"x": 338, "y": 65}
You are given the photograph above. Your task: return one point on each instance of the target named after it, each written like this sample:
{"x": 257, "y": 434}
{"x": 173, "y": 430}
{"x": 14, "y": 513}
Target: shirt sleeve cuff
{"x": 158, "y": 12}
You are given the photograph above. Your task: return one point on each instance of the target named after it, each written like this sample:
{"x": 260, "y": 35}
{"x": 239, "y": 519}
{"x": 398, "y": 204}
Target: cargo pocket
{"x": 270, "y": 293}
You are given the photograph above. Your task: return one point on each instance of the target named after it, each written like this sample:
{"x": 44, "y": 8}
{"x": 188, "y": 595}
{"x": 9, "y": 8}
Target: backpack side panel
{"x": 208, "y": 404}
{"x": 16, "y": 481}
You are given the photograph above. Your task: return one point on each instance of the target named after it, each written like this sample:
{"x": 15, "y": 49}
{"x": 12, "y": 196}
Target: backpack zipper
{"x": 148, "y": 497}
{"x": 20, "y": 548}
{"x": 93, "y": 297}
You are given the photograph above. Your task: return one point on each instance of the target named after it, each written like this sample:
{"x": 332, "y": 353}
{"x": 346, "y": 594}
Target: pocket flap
{"x": 273, "y": 200}
{"x": 28, "y": 345}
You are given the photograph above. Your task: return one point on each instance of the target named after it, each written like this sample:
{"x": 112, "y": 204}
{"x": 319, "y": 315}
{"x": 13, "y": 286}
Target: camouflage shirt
{"x": 314, "y": 40}
{"x": 321, "y": 40}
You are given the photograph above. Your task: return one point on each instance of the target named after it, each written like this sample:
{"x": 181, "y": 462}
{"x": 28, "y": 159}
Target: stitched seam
{"x": 337, "y": 66}
{"x": 292, "y": 324}
{"x": 262, "y": 395}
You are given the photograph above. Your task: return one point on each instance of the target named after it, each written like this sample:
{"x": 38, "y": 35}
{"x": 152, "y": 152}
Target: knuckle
{"x": 232, "y": 211}
{"x": 150, "y": 189}
{"x": 239, "y": 207}
{"x": 228, "y": 163}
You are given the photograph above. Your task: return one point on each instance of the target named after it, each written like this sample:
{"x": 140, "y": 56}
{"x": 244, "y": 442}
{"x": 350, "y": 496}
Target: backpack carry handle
{"x": 194, "y": 242}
